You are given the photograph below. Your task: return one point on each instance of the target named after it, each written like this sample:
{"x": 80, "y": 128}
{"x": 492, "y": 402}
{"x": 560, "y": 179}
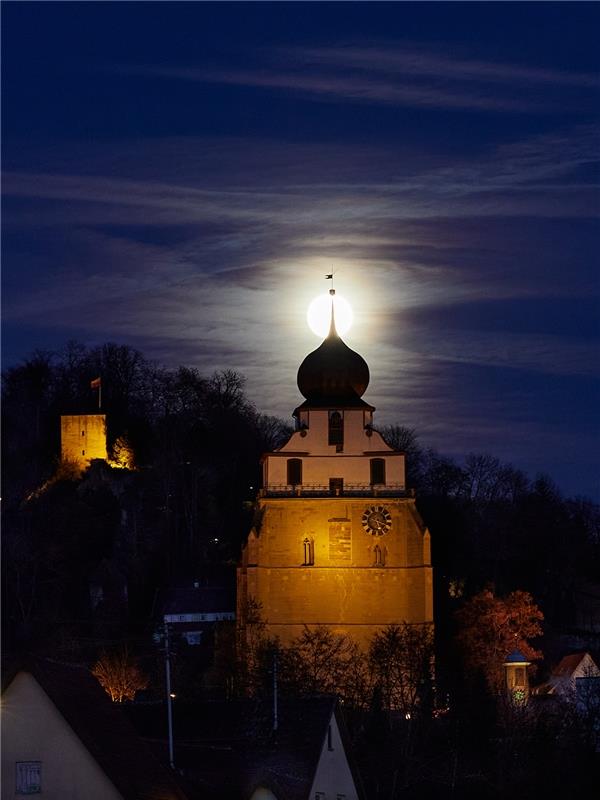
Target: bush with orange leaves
{"x": 491, "y": 627}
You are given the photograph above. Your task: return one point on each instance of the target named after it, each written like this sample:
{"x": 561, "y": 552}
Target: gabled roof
{"x": 108, "y": 736}
{"x": 237, "y": 740}
{"x": 567, "y": 666}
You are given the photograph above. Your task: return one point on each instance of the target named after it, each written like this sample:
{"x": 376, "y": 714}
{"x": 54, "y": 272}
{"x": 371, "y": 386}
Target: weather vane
{"x": 330, "y": 278}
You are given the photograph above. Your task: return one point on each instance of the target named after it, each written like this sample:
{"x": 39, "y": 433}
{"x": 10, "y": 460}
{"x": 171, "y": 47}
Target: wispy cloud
{"x": 410, "y": 60}
{"x": 401, "y": 75}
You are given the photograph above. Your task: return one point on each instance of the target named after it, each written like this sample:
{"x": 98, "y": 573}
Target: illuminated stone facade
{"x": 82, "y": 438}
{"x": 337, "y": 542}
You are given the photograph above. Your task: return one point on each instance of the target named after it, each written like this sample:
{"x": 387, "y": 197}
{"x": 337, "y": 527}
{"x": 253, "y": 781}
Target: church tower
{"x": 337, "y": 540}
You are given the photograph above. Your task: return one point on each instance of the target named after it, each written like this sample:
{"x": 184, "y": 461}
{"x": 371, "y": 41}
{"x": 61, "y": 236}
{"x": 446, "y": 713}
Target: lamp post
{"x": 170, "y": 696}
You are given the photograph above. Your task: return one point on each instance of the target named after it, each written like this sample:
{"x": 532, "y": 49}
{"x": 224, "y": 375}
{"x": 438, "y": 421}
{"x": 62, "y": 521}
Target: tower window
{"x": 309, "y": 552}
{"x": 377, "y": 471}
{"x": 294, "y": 471}
{"x": 329, "y": 738}
{"x": 378, "y": 556}
{"x": 336, "y": 430}
{"x": 336, "y": 486}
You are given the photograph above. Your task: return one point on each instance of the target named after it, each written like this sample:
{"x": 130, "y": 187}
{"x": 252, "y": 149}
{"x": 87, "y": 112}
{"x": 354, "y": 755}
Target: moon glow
{"x": 319, "y": 314}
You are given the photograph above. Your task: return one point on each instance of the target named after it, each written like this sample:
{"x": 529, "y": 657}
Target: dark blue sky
{"x": 180, "y": 177}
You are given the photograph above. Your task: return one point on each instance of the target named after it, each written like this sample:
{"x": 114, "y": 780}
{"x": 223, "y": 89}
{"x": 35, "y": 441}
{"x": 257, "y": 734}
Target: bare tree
{"x": 119, "y": 675}
{"x": 401, "y": 659}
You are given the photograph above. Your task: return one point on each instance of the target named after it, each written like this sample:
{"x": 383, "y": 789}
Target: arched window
{"x": 309, "y": 552}
{"x": 336, "y": 430}
{"x": 294, "y": 471}
{"x": 379, "y": 556}
{"x": 377, "y": 471}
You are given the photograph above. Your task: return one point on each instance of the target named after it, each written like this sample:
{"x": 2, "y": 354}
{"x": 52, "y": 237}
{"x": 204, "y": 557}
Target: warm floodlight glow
{"x": 319, "y": 314}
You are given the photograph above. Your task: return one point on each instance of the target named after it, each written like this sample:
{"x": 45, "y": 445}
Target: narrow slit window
{"x": 377, "y": 471}
{"x": 309, "y": 552}
{"x": 379, "y": 556}
{"x": 294, "y": 471}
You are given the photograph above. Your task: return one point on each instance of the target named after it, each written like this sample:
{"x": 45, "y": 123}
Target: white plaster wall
{"x": 34, "y": 730}
{"x": 317, "y": 470}
{"x": 333, "y": 776}
{"x": 356, "y": 440}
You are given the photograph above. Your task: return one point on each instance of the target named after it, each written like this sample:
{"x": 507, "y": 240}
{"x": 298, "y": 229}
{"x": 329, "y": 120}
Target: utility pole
{"x": 275, "y": 710}
{"x": 169, "y": 695}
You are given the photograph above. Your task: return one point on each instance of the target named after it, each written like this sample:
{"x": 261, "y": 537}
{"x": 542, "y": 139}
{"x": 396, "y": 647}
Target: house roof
{"x": 197, "y": 600}
{"x": 567, "y": 665}
{"x": 237, "y": 739}
{"x": 108, "y": 736}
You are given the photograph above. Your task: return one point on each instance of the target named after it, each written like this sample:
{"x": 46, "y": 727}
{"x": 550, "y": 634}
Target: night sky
{"x": 180, "y": 177}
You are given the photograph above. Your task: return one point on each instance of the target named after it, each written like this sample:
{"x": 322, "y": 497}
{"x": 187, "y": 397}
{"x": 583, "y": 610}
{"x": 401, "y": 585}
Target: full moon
{"x": 319, "y": 314}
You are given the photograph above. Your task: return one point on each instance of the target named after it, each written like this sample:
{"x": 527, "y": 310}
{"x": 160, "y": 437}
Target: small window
{"x": 319, "y": 795}
{"x": 377, "y": 471}
{"x": 29, "y": 777}
{"x": 309, "y": 552}
{"x": 336, "y": 430}
{"x": 329, "y": 738}
{"x": 83, "y": 452}
{"x": 83, "y": 433}
{"x": 294, "y": 471}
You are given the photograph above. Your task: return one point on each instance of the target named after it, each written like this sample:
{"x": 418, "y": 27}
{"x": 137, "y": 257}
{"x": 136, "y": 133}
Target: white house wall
{"x": 34, "y": 730}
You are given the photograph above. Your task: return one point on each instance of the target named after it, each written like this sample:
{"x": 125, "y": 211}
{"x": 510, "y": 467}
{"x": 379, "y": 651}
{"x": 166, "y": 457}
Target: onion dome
{"x": 333, "y": 374}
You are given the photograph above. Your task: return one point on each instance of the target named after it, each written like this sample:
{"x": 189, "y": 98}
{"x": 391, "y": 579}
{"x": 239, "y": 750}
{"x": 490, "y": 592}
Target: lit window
{"x": 519, "y": 676}
{"x": 29, "y": 777}
{"x": 294, "y": 471}
{"x": 377, "y": 471}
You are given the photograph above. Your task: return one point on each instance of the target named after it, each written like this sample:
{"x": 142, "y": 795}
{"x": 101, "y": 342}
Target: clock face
{"x": 377, "y": 520}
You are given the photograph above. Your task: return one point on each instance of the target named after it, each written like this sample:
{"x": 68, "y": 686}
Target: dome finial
{"x": 332, "y": 330}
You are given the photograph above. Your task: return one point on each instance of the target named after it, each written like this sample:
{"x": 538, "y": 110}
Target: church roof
{"x": 333, "y": 374}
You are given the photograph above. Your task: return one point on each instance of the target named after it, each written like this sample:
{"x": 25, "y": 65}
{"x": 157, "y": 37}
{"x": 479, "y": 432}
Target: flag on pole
{"x": 96, "y": 383}
{"x": 329, "y": 277}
